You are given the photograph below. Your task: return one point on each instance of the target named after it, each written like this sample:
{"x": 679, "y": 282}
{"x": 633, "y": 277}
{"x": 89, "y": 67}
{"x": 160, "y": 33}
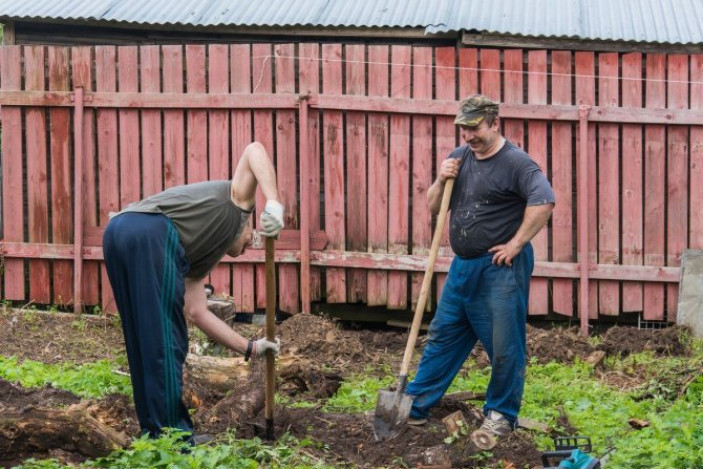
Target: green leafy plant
{"x": 89, "y": 380}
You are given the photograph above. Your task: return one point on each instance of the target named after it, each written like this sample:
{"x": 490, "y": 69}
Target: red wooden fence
{"x": 356, "y": 133}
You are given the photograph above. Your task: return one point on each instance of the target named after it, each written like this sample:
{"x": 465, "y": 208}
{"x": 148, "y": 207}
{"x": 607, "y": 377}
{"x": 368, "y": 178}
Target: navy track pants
{"x": 146, "y": 265}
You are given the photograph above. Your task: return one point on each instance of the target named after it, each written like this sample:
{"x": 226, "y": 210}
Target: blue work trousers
{"x": 486, "y": 302}
{"x": 146, "y": 265}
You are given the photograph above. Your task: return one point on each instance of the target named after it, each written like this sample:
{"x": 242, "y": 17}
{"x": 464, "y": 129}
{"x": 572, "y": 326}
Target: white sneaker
{"x": 416, "y": 422}
{"x": 496, "y": 424}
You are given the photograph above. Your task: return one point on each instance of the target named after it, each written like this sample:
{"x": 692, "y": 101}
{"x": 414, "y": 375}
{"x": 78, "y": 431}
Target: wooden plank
{"x": 377, "y": 206}
{"x": 696, "y": 171}
{"x": 107, "y": 157}
{"x": 162, "y": 101}
{"x": 12, "y": 212}
{"x": 262, "y": 75}
{"x": 399, "y": 177}
{"x": 537, "y": 131}
{"x": 608, "y": 182}
{"x": 654, "y": 184}
{"x": 537, "y": 136}
{"x": 309, "y": 83}
{"x": 130, "y": 167}
{"x": 468, "y": 73}
{"x": 82, "y": 68}
{"x": 152, "y": 151}
{"x": 562, "y": 177}
{"x": 632, "y": 189}
{"x": 355, "y": 138}
{"x": 174, "y": 120}
{"x": 422, "y": 162}
{"x": 490, "y": 73}
{"x": 196, "y": 120}
{"x": 289, "y": 253}
{"x": 218, "y": 142}
{"x": 445, "y": 132}
{"x": 333, "y": 161}
{"x": 240, "y": 57}
{"x": 287, "y": 172}
{"x": 61, "y": 193}
{"x": 677, "y": 175}
{"x": 37, "y": 176}
{"x": 586, "y": 95}
{"x": 514, "y": 129}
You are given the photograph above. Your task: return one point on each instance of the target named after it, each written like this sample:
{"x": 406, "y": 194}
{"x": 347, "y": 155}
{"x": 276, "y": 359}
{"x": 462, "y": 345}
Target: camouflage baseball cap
{"x": 474, "y": 109}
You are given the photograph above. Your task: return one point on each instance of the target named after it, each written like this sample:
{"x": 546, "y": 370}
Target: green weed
{"x": 90, "y": 380}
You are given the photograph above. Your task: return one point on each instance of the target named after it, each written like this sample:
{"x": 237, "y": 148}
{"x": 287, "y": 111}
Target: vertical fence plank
{"x": 152, "y": 159}
{"x": 445, "y": 131}
{"x": 309, "y": 83}
{"x": 218, "y": 142}
{"x": 632, "y": 195}
{"x": 355, "y": 138}
{"x": 377, "y": 280}
{"x": 108, "y": 171}
{"x": 422, "y": 160}
{"x": 130, "y": 167}
{"x": 262, "y": 74}
{"x": 287, "y": 172}
{"x": 586, "y": 94}
{"x": 654, "y": 185}
{"x": 562, "y": 177}
{"x": 537, "y": 136}
{"x": 174, "y": 123}
{"x": 399, "y": 177}
{"x": 677, "y": 175}
{"x": 490, "y": 73}
{"x": 696, "y": 165}
{"x": 61, "y": 193}
{"x": 196, "y": 119}
{"x": 12, "y": 154}
{"x": 240, "y": 57}
{"x": 514, "y": 129}
{"x": 608, "y": 183}
{"x": 333, "y": 161}
{"x": 37, "y": 176}
{"x": 82, "y": 67}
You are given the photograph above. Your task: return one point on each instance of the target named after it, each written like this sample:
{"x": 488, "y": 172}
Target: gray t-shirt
{"x": 489, "y": 198}
{"x": 207, "y": 220}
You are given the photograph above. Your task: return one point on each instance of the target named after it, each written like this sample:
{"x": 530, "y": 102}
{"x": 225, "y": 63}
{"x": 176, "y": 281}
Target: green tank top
{"x": 207, "y": 220}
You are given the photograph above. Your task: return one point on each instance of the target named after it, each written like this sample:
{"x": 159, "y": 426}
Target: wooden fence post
{"x": 78, "y": 202}
{"x": 583, "y": 195}
{"x": 305, "y": 184}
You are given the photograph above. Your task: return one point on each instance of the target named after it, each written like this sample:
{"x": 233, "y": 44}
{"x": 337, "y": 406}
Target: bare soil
{"x": 329, "y": 352}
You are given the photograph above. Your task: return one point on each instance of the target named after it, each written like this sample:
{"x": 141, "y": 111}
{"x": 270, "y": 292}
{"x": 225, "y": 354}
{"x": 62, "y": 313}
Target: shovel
{"x": 270, "y": 336}
{"x": 393, "y": 408}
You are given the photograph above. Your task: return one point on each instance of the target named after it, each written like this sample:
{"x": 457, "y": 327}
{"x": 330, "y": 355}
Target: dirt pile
{"x": 623, "y": 341}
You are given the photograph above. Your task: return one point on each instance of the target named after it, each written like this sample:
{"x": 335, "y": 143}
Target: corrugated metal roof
{"x": 652, "y": 21}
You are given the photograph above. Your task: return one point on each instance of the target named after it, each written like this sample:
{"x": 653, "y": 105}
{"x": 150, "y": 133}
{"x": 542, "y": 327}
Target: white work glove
{"x": 271, "y": 220}
{"x": 261, "y": 346}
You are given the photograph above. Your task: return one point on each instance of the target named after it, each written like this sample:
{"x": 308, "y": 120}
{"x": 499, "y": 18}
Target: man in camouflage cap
{"x": 474, "y": 110}
{"x": 500, "y": 201}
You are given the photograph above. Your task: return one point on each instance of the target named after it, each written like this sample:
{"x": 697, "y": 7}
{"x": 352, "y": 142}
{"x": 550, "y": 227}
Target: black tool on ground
{"x": 565, "y": 457}
{"x": 393, "y": 408}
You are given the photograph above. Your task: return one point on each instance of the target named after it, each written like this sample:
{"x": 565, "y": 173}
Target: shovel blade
{"x": 392, "y": 412}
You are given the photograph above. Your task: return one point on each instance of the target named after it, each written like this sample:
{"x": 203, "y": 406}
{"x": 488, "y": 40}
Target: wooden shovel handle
{"x": 427, "y": 279}
{"x": 270, "y": 326}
